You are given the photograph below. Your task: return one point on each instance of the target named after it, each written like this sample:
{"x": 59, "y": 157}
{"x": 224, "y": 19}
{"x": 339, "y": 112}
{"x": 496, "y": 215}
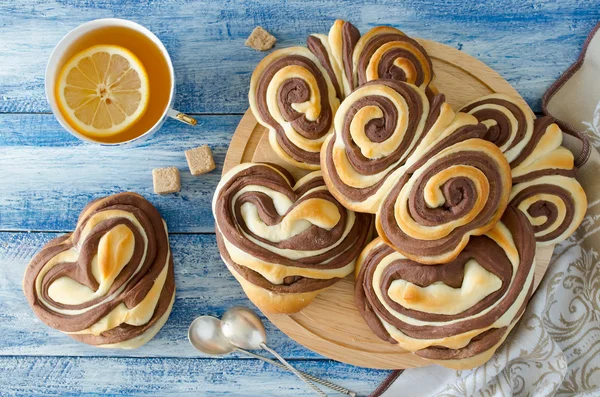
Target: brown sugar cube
{"x": 200, "y": 160}
{"x": 260, "y": 39}
{"x": 166, "y": 180}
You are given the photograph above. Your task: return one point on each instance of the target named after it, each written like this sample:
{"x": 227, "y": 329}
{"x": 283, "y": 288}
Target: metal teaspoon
{"x": 245, "y": 330}
{"x": 206, "y": 336}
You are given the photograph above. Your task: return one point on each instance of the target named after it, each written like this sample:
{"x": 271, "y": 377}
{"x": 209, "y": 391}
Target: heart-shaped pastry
{"x": 285, "y": 241}
{"x": 424, "y": 170}
{"x": 372, "y": 139}
{"x": 293, "y": 96}
{"x": 543, "y": 171}
{"x": 385, "y": 52}
{"x": 110, "y": 283}
{"x": 456, "y": 314}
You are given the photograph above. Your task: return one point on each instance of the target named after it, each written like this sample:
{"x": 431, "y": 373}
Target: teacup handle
{"x": 181, "y": 117}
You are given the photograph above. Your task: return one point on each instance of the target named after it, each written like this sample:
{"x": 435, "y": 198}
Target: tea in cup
{"x": 111, "y": 81}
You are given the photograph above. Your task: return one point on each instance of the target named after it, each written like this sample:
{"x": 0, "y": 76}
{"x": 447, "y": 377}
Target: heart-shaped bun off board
{"x": 110, "y": 283}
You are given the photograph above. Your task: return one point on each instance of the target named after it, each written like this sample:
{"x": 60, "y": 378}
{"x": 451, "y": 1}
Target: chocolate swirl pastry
{"x": 543, "y": 171}
{"x": 544, "y": 154}
{"x": 293, "y": 96}
{"x": 110, "y": 283}
{"x": 284, "y": 241}
{"x": 545, "y": 188}
{"x": 509, "y": 123}
{"x": 455, "y": 314}
{"x": 318, "y": 44}
{"x": 343, "y": 37}
{"x": 376, "y": 128}
{"x": 387, "y": 53}
{"x": 555, "y": 205}
{"x": 455, "y": 188}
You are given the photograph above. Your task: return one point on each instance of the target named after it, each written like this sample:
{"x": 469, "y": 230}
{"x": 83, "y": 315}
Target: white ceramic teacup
{"x": 56, "y": 60}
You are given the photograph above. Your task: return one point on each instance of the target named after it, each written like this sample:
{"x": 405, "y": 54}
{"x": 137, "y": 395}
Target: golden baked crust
{"x": 293, "y": 96}
{"x": 455, "y": 314}
{"x": 284, "y": 241}
{"x": 111, "y": 282}
{"x": 543, "y": 171}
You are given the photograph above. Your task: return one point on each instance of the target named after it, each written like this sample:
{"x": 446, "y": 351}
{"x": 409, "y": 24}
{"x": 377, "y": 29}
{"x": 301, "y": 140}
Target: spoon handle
{"x": 310, "y": 377}
{"x": 294, "y": 370}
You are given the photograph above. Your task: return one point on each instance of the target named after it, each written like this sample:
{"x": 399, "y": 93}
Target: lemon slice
{"x": 103, "y": 90}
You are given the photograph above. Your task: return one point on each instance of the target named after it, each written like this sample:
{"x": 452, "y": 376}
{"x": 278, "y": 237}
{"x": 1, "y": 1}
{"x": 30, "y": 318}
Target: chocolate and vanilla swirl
{"x": 110, "y": 283}
{"x": 334, "y": 52}
{"x": 545, "y": 188}
{"x": 318, "y": 44}
{"x": 456, "y": 188}
{"x": 554, "y": 204}
{"x": 376, "y": 129}
{"x": 457, "y": 313}
{"x": 544, "y": 154}
{"x": 343, "y": 37}
{"x": 543, "y": 171}
{"x": 284, "y": 241}
{"x": 295, "y": 98}
{"x": 508, "y": 120}
{"x": 387, "y": 53}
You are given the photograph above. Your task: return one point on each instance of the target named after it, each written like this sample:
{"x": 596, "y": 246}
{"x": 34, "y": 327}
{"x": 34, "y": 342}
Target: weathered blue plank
{"x": 82, "y": 376}
{"x": 529, "y": 42}
{"x": 204, "y": 286}
{"x": 47, "y": 176}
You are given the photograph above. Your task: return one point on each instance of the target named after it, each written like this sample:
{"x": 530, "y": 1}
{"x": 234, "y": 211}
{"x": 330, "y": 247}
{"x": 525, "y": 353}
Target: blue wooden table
{"x": 47, "y": 176}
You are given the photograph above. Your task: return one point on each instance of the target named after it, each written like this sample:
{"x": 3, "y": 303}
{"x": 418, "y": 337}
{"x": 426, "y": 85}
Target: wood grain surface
{"x": 529, "y": 42}
{"x": 47, "y": 176}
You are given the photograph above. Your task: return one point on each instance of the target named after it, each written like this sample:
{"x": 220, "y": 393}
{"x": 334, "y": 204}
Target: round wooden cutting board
{"x": 331, "y": 325}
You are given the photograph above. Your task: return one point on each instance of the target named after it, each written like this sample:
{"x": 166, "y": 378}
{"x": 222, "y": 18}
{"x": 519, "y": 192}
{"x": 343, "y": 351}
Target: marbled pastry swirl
{"x": 385, "y": 52}
{"x": 376, "y": 128}
{"x": 508, "y": 120}
{"x": 455, "y": 314}
{"x": 319, "y": 45}
{"x": 110, "y": 283}
{"x": 544, "y": 154}
{"x": 295, "y": 98}
{"x": 545, "y": 188}
{"x": 543, "y": 171}
{"x": 555, "y": 205}
{"x": 455, "y": 188}
{"x": 532, "y": 146}
{"x": 284, "y": 242}
{"x": 343, "y": 37}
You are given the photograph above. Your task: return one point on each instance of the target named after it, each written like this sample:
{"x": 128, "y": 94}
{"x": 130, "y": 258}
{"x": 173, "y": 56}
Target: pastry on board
{"x": 285, "y": 241}
{"x": 460, "y": 197}
{"x": 292, "y": 95}
{"x": 454, "y": 314}
{"x": 543, "y": 171}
